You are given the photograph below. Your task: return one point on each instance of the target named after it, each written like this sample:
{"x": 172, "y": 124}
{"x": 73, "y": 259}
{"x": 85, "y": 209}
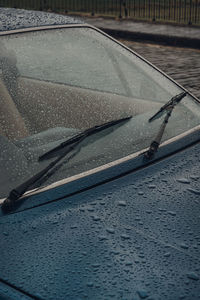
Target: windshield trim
{"x": 108, "y": 165}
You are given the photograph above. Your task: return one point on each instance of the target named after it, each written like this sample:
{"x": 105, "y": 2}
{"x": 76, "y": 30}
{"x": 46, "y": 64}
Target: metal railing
{"x": 177, "y": 11}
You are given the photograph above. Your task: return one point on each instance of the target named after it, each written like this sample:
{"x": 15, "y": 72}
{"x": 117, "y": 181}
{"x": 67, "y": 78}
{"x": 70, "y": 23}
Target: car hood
{"x": 134, "y": 237}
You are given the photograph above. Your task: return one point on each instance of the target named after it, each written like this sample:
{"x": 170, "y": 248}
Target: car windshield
{"x": 55, "y": 83}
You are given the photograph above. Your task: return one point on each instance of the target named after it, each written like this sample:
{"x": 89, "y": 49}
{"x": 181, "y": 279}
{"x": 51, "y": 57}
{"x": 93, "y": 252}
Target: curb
{"x": 153, "y": 38}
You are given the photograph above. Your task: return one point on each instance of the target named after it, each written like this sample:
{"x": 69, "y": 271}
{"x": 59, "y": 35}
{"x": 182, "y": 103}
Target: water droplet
{"x": 73, "y": 226}
{"x": 137, "y": 261}
{"x": 125, "y": 236}
{"x": 96, "y": 218}
{"x": 90, "y": 209}
{"x": 110, "y": 230}
{"x": 183, "y": 180}
{"x": 96, "y": 265}
{"x": 143, "y": 294}
{"x": 54, "y": 222}
{"x": 192, "y": 275}
{"x": 167, "y": 254}
{"x": 194, "y": 191}
{"x": 128, "y": 263}
{"x": 140, "y": 193}
{"x": 172, "y": 213}
{"x": 194, "y": 177}
{"x": 122, "y": 203}
{"x": 151, "y": 186}
{"x": 90, "y": 284}
{"x": 102, "y": 237}
{"x": 184, "y": 246}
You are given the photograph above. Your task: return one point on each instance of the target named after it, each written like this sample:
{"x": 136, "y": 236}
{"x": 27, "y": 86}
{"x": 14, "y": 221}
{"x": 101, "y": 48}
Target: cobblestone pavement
{"x": 182, "y": 64}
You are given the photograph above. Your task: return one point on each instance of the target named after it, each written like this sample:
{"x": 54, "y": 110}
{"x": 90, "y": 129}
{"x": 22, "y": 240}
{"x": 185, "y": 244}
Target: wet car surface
{"x": 112, "y": 218}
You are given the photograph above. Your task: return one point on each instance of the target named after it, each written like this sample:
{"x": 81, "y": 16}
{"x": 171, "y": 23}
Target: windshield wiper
{"x": 9, "y": 203}
{"x": 81, "y": 136}
{"x": 168, "y": 107}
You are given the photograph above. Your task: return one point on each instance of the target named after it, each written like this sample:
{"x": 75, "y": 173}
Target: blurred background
{"x": 178, "y": 11}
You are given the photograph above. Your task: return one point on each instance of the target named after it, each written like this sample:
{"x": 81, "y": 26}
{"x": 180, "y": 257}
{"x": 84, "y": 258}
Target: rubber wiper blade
{"x": 81, "y": 136}
{"x": 168, "y": 108}
{"x": 172, "y": 102}
{"x": 15, "y": 194}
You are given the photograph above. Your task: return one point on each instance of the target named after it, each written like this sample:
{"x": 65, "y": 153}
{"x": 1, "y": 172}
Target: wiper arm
{"x": 9, "y": 203}
{"x": 172, "y": 102}
{"x": 81, "y": 136}
{"x": 168, "y": 107}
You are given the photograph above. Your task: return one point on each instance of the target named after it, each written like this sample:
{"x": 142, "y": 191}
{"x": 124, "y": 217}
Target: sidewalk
{"x": 173, "y": 35}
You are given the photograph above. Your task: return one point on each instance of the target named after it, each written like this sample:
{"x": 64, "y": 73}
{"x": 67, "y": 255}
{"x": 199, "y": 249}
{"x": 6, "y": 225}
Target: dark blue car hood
{"x": 135, "y": 237}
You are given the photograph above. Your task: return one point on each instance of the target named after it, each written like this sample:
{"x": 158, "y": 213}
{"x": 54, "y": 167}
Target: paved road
{"x": 182, "y": 64}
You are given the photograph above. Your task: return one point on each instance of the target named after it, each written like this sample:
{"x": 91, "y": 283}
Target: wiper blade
{"x": 81, "y": 136}
{"x": 168, "y": 107}
{"x": 172, "y": 102}
{"x": 9, "y": 203}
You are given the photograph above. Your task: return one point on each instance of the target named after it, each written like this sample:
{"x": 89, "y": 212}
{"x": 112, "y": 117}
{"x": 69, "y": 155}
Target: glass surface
{"x": 56, "y": 83}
